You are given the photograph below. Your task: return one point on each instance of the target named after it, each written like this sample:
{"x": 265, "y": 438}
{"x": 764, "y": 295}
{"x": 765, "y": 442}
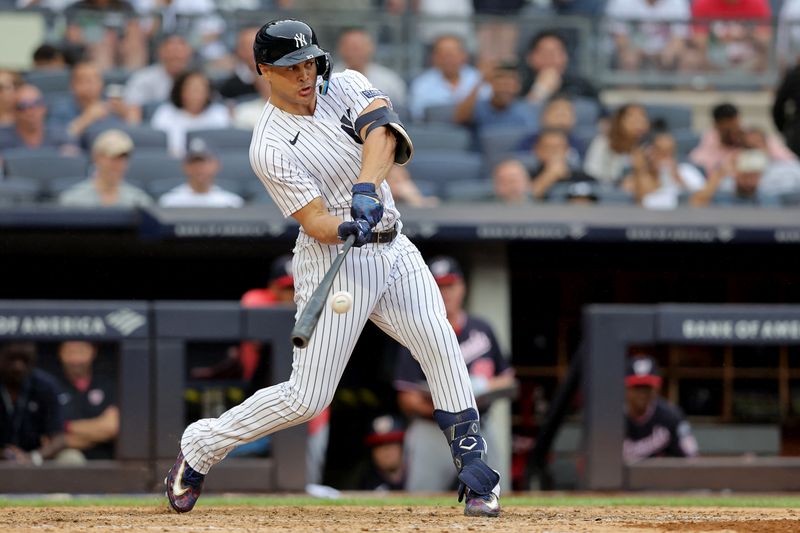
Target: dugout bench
{"x": 151, "y": 340}
{"x": 609, "y": 330}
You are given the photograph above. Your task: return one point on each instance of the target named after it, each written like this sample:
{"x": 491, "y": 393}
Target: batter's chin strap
{"x": 384, "y": 116}
{"x": 462, "y": 431}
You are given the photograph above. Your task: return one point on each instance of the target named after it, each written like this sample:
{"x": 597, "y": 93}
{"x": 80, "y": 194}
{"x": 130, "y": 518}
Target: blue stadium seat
{"x": 223, "y": 139}
{"x": 439, "y": 137}
{"x": 440, "y": 113}
{"x": 676, "y": 116}
{"x": 685, "y": 141}
{"x": 468, "y": 191}
{"x": 145, "y": 168}
{"x": 442, "y": 166}
{"x": 143, "y": 136}
{"x": 790, "y": 199}
{"x": 235, "y": 166}
{"x": 496, "y": 141}
{"x": 43, "y": 165}
{"x": 59, "y": 185}
{"x": 147, "y": 111}
{"x": 587, "y": 112}
{"x": 49, "y": 81}
{"x": 19, "y": 191}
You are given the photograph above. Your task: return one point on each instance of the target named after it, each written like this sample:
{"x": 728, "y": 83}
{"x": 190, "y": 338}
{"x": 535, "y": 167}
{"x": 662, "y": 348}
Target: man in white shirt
{"x": 201, "y": 167}
{"x": 448, "y": 81}
{"x": 153, "y": 84}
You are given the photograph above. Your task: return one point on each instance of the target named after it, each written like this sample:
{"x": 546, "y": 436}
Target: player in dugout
{"x": 653, "y": 426}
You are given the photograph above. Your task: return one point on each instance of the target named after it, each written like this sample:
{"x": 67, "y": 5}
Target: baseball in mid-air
{"x": 341, "y": 302}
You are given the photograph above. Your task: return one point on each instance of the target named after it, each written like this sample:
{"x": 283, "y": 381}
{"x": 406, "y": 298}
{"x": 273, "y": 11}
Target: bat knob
{"x": 299, "y": 341}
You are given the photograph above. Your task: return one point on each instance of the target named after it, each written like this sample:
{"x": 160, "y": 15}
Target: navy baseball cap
{"x": 281, "y": 271}
{"x": 582, "y": 189}
{"x": 199, "y": 148}
{"x": 445, "y": 270}
{"x": 642, "y": 370}
{"x": 385, "y": 429}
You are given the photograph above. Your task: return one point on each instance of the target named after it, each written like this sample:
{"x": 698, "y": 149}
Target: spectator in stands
{"x": 110, "y": 32}
{"x": 786, "y": 108}
{"x": 199, "y": 22}
{"x": 498, "y": 32}
{"x": 737, "y": 182}
{"x": 48, "y": 57}
{"x": 488, "y": 370}
{"x": 658, "y": 179}
{"x": 200, "y": 165}
{"x": 88, "y": 401}
{"x": 153, "y": 84}
{"x": 242, "y": 80}
{"x": 30, "y": 130}
{"x": 646, "y": 32}
{"x": 552, "y": 154}
{"x": 356, "y": 49}
{"x": 191, "y": 107}
{"x": 505, "y": 106}
{"x": 245, "y": 114}
{"x": 742, "y": 27}
{"x": 558, "y": 113}
{"x": 386, "y": 468}
{"x": 546, "y": 73}
{"x": 86, "y": 106}
{"x": 609, "y": 155}
{"x": 653, "y": 426}
{"x": 447, "y": 82}
{"x": 512, "y": 182}
{"x": 31, "y": 420}
{"x": 9, "y": 82}
{"x": 107, "y": 188}
{"x": 727, "y": 137}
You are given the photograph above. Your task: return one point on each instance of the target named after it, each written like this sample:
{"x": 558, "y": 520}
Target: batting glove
{"x": 366, "y": 204}
{"x": 360, "y": 228}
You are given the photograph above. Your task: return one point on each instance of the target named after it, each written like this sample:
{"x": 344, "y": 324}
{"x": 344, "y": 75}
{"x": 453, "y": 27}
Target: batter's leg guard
{"x": 476, "y": 480}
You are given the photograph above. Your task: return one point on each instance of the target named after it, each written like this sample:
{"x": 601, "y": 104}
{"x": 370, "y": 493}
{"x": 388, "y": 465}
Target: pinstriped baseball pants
{"x": 392, "y": 286}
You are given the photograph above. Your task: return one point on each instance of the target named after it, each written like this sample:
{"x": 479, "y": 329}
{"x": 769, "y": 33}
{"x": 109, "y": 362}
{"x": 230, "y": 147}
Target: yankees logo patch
{"x": 468, "y": 443}
{"x": 300, "y": 40}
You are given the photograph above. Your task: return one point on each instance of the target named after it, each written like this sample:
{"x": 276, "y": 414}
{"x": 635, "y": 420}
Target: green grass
{"x": 538, "y": 500}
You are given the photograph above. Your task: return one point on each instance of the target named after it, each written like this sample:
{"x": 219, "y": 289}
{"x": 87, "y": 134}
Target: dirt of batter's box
{"x": 348, "y": 519}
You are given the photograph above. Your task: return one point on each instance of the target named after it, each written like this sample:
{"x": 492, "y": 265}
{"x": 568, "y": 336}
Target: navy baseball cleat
{"x": 183, "y": 485}
{"x": 482, "y": 505}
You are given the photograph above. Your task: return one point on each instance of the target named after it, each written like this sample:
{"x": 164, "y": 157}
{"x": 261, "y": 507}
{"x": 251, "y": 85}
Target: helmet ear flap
{"x": 324, "y": 69}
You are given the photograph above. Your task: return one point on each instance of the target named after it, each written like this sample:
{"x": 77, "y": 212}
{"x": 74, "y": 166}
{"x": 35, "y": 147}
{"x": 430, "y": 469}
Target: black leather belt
{"x": 381, "y": 237}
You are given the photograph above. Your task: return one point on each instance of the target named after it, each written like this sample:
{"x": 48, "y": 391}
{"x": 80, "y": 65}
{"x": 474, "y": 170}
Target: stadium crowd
{"x": 500, "y": 114}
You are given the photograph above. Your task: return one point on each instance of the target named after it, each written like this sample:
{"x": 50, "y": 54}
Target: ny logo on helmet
{"x": 300, "y": 40}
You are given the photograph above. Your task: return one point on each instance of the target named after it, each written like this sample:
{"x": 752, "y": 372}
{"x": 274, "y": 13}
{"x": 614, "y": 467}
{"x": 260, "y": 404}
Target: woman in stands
{"x": 609, "y": 156}
{"x": 191, "y": 107}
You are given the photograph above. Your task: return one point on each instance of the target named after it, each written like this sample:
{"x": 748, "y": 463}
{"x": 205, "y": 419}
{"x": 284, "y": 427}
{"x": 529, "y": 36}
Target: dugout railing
{"x": 609, "y": 331}
{"x": 150, "y": 341}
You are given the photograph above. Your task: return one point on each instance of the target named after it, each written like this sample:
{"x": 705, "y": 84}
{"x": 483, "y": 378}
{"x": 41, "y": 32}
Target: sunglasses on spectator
{"x": 30, "y": 104}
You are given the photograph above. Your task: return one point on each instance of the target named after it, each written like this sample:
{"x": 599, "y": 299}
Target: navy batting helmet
{"x": 287, "y": 42}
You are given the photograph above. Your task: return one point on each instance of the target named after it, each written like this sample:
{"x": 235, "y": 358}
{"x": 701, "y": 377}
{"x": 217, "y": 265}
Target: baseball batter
{"x": 322, "y": 147}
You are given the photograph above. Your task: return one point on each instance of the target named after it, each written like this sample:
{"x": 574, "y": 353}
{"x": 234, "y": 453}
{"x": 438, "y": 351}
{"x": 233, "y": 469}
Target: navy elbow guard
{"x": 384, "y": 116}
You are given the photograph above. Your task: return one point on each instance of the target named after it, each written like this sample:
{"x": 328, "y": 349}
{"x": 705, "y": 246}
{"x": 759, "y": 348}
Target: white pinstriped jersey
{"x": 301, "y": 157}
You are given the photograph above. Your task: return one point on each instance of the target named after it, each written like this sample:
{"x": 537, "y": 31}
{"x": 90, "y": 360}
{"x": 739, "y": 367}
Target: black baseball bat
{"x": 305, "y": 325}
